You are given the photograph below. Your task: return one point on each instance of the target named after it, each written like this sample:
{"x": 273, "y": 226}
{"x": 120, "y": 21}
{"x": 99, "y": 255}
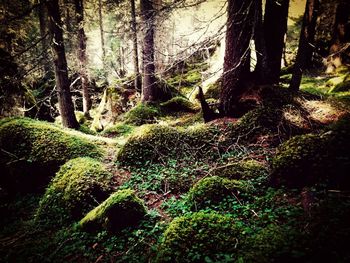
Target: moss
{"x": 122, "y": 209}
{"x": 155, "y": 143}
{"x": 241, "y": 170}
{"x": 271, "y": 244}
{"x": 78, "y": 186}
{"x": 117, "y": 130}
{"x": 142, "y": 114}
{"x": 213, "y": 90}
{"x": 177, "y": 104}
{"x": 32, "y": 152}
{"x": 342, "y": 85}
{"x": 212, "y": 190}
{"x": 200, "y": 237}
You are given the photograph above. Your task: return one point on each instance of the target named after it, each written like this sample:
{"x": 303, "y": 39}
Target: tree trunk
{"x": 42, "y": 13}
{"x": 149, "y": 88}
{"x": 239, "y": 31}
{"x": 306, "y": 43}
{"x": 275, "y": 28}
{"x": 79, "y": 9}
{"x": 65, "y": 103}
{"x": 341, "y": 33}
{"x": 135, "y": 50}
{"x": 100, "y": 22}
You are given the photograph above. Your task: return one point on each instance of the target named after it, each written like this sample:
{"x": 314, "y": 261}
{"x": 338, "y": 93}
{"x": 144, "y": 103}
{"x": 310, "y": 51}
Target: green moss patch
{"x": 79, "y": 186}
{"x": 212, "y": 190}
{"x": 142, "y": 114}
{"x": 241, "y": 170}
{"x": 119, "y": 129}
{"x": 122, "y": 209}
{"x": 32, "y": 151}
{"x": 156, "y": 143}
{"x": 200, "y": 237}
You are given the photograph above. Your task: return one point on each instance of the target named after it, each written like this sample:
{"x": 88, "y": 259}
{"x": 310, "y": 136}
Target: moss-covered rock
{"x": 212, "y": 190}
{"x": 155, "y": 143}
{"x": 142, "y": 114}
{"x": 309, "y": 159}
{"x": 177, "y": 104}
{"x": 122, "y": 209}
{"x": 200, "y": 237}
{"x": 248, "y": 169}
{"x": 79, "y": 186}
{"x": 32, "y": 151}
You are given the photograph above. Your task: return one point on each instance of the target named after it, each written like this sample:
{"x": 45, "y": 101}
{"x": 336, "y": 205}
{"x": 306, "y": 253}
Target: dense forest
{"x": 174, "y": 131}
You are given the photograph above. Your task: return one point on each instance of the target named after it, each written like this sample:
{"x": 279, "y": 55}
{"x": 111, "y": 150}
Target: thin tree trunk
{"x": 65, "y": 103}
{"x": 42, "y": 13}
{"x": 79, "y": 9}
{"x": 239, "y": 31}
{"x": 100, "y": 21}
{"x": 275, "y": 27}
{"x": 262, "y": 69}
{"x": 149, "y": 88}
{"x": 306, "y": 43}
{"x": 135, "y": 50}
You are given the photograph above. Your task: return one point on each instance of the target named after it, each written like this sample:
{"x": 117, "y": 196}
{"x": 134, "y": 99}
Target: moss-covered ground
{"x": 267, "y": 187}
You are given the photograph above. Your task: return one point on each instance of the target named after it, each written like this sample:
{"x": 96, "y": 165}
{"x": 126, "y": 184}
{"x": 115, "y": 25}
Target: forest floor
{"x": 281, "y": 222}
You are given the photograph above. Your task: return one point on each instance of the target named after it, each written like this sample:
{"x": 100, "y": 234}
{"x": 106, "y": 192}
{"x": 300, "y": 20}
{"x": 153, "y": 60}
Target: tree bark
{"x": 79, "y": 9}
{"x": 65, "y": 103}
{"x": 239, "y": 32}
{"x": 149, "y": 88}
{"x": 275, "y": 28}
{"x": 135, "y": 48}
{"x": 306, "y": 43}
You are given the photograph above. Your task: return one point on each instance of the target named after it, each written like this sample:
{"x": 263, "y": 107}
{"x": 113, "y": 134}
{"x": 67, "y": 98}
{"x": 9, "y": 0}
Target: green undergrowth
{"x": 79, "y": 186}
{"x": 117, "y": 130}
{"x": 32, "y": 151}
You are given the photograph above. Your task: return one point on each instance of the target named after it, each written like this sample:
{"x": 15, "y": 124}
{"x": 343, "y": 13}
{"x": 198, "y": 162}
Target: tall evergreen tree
{"x": 149, "y": 82}
{"x": 65, "y": 102}
{"x": 135, "y": 46}
{"x": 239, "y": 32}
{"x": 79, "y": 9}
{"x": 306, "y": 43}
{"x": 275, "y": 28}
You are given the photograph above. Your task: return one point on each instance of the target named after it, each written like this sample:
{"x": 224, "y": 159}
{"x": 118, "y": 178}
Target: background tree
{"x": 149, "y": 82}
{"x": 306, "y": 43}
{"x": 65, "y": 103}
{"x": 79, "y": 8}
{"x": 240, "y": 23}
{"x": 138, "y": 83}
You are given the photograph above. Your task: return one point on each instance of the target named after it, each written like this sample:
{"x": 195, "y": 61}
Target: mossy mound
{"x": 241, "y": 170}
{"x": 79, "y": 186}
{"x": 177, "y": 104}
{"x": 156, "y": 143}
{"x": 117, "y": 130}
{"x": 213, "y": 90}
{"x": 32, "y": 151}
{"x": 122, "y": 209}
{"x": 309, "y": 159}
{"x": 212, "y": 190}
{"x": 200, "y": 237}
{"x": 339, "y": 84}
{"x": 142, "y": 114}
